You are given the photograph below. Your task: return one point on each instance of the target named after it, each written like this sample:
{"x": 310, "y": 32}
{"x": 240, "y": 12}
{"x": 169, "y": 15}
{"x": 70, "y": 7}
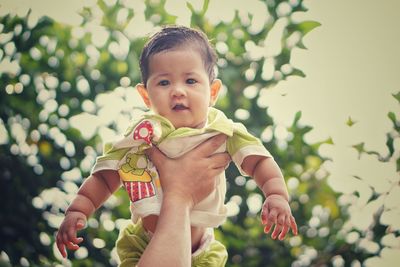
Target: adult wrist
{"x": 178, "y": 200}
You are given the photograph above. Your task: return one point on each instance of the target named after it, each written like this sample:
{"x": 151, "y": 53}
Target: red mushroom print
{"x": 143, "y": 131}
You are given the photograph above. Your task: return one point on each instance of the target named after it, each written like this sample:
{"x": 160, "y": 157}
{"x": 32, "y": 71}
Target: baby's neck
{"x": 199, "y": 126}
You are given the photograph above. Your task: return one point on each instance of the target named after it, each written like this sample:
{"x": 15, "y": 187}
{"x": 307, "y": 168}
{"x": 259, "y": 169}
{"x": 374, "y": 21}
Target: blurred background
{"x": 317, "y": 81}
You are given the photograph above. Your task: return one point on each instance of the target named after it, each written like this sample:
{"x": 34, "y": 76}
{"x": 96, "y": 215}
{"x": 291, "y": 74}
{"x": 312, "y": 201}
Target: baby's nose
{"x": 178, "y": 91}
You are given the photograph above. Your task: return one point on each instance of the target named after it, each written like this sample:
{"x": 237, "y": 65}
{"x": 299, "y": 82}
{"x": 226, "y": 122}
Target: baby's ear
{"x": 144, "y": 94}
{"x": 214, "y": 91}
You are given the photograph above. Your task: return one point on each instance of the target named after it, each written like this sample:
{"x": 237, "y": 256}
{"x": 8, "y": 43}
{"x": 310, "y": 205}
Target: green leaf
{"x": 190, "y": 6}
{"x": 329, "y": 141}
{"x": 307, "y": 26}
{"x": 350, "y": 122}
{"x": 301, "y": 45}
{"x": 297, "y": 72}
{"x": 390, "y": 144}
{"x": 360, "y": 148}
{"x": 397, "y": 96}
{"x": 392, "y": 117}
{"x": 297, "y": 117}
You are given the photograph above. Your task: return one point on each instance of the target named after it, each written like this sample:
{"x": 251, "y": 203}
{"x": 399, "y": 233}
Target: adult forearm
{"x": 171, "y": 243}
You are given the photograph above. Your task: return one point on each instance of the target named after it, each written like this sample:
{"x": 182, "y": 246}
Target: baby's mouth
{"x": 180, "y": 107}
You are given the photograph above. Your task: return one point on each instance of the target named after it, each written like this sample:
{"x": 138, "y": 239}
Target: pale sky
{"x": 352, "y": 69}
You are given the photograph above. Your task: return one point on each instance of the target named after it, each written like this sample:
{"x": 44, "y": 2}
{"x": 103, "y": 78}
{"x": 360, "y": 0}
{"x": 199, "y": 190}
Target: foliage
{"x": 64, "y": 74}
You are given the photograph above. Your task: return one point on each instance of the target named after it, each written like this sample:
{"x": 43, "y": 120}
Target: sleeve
{"x": 139, "y": 136}
{"x": 243, "y": 144}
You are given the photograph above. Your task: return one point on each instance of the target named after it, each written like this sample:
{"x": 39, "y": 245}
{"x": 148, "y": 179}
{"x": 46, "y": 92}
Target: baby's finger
{"x": 71, "y": 235}
{"x": 72, "y": 246}
{"x": 293, "y": 225}
{"x": 285, "y": 229}
{"x": 279, "y": 225}
{"x": 62, "y": 250}
{"x": 277, "y": 230}
{"x": 80, "y": 224}
{"x": 78, "y": 240}
{"x": 264, "y": 214}
{"x": 272, "y": 216}
{"x": 60, "y": 246}
{"x": 65, "y": 239}
{"x": 281, "y": 219}
{"x": 270, "y": 220}
{"x": 268, "y": 227}
{"x": 73, "y": 231}
{"x": 69, "y": 242}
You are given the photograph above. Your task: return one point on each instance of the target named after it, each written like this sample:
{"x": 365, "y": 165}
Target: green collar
{"x": 216, "y": 121}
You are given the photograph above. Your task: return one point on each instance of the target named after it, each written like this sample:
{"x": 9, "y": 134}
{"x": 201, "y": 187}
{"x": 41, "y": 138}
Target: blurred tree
{"x": 53, "y": 118}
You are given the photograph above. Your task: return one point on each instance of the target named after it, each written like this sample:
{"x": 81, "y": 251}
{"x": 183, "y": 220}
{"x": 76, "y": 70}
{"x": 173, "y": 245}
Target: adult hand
{"x": 191, "y": 177}
{"x": 185, "y": 181}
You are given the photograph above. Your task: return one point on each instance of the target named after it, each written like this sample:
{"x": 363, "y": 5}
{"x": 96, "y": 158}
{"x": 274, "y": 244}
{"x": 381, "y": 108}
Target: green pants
{"x": 133, "y": 240}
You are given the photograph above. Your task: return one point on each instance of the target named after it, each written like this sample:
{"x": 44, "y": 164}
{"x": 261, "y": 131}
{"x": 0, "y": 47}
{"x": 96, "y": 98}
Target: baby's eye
{"x": 163, "y": 83}
{"x": 191, "y": 81}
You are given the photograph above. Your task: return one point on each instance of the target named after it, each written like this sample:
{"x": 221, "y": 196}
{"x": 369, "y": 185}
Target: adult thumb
{"x": 155, "y": 155}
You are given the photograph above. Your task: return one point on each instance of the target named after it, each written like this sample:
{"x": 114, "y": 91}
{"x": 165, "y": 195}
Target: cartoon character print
{"x": 136, "y": 178}
{"x": 134, "y": 173}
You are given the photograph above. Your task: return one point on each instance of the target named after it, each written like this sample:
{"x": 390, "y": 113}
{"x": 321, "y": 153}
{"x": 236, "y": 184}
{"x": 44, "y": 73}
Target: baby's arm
{"x": 276, "y": 209}
{"x": 96, "y": 189}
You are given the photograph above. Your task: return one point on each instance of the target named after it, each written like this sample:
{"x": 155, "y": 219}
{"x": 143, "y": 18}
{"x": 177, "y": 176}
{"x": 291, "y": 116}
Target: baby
{"x": 179, "y": 87}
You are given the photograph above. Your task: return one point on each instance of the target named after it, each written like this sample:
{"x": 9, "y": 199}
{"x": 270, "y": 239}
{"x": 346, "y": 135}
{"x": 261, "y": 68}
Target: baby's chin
{"x": 195, "y": 125}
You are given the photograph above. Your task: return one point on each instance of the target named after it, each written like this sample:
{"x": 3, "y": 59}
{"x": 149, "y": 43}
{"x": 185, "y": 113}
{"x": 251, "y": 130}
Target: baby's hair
{"x": 173, "y": 37}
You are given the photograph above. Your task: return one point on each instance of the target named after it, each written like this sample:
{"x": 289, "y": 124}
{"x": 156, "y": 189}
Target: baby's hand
{"x": 276, "y": 210}
{"x": 66, "y": 235}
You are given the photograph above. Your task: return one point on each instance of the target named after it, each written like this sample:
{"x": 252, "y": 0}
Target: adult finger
{"x": 215, "y": 171}
{"x": 211, "y": 145}
{"x": 220, "y": 160}
{"x": 155, "y": 155}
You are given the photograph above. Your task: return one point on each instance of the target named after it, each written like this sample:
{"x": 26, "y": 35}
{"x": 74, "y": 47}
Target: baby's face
{"x": 178, "y": 87}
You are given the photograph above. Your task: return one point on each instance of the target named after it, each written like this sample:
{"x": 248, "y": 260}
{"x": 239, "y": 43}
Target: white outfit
{"x": 140, "y": 177}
